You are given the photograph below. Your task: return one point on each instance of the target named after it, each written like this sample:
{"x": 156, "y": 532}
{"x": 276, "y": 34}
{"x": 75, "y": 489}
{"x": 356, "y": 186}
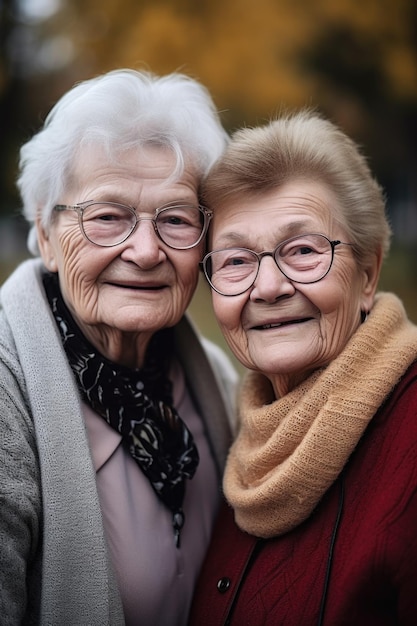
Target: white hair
{"x": 118, "y": 111}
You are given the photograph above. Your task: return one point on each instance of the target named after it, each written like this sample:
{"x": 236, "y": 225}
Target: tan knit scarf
{"x": 289, "y": 451}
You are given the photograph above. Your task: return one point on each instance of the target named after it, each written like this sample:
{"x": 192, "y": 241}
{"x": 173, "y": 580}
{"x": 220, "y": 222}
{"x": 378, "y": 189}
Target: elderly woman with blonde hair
{"x": 320, "y": 522}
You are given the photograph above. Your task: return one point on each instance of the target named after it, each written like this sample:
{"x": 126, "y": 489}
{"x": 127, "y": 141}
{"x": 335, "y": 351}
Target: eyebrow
{"x": 230, "y": 238}
{"x": 293, "y": 228}
{"x": 120, "y": 199}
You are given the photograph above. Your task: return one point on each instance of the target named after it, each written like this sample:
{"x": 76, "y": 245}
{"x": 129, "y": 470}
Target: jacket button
{"x": 223, "y": 584}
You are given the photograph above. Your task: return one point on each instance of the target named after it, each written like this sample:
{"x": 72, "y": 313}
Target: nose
{"x": 270, "y": 283}
{"x": 143, "y": 247}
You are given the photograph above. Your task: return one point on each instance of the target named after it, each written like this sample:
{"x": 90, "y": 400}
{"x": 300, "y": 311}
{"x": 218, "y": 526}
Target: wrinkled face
{"x": 140, "y": 285}
{"x": 282, "y": 328}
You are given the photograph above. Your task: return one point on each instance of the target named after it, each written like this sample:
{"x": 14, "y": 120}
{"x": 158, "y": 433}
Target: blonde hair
{"x": 305, "y": 146}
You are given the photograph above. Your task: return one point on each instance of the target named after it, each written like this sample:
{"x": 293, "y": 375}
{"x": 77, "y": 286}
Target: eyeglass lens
{"x": 108, "y": 224}
{"x": 304, "y": 259}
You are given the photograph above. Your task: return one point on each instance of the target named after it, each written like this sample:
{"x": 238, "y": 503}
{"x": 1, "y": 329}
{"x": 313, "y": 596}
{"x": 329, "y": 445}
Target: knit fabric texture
{"x": 54, "y": 554}
{"x": 290, "y": 450}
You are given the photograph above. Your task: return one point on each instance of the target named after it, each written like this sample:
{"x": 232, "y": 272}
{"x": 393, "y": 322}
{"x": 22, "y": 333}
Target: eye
{"x": 171, "y": 218}
{"x": 105, "y": 213}
{"x": 303, "y": 250}
{"x": 106, "y": 217}
{"x": 297, "y": 249}
{"x": 236, "y": 261}
{"x": 180, "y": 216}
{"x": 303, "y": 247}
{"x": 232, "y": 259}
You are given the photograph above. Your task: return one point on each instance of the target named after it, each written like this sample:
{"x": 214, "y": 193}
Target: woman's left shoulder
{"x": 397, "y": 415}
{"x": 406, "y": 388}
{"x": 393, "y": 431}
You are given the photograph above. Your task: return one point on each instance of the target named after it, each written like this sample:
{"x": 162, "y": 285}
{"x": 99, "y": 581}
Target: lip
{"x": 137, "y": 286}
{"x": 282, "y": 323}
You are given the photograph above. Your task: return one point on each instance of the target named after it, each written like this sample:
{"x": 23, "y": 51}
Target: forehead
{"x": 144, "y": 177}
{"x": 296, "y": 207}
{"x": 96, "y": 159}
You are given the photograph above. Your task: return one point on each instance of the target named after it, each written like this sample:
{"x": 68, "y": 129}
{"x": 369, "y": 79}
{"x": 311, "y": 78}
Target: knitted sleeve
{"x": 398, "y": 545}
{"x": 20, "y": 501}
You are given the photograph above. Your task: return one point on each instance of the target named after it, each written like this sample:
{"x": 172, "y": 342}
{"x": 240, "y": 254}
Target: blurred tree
{"x": 10, "y": 115}
{"x": 365, "y": 66}
{"x": 354, "y": 59}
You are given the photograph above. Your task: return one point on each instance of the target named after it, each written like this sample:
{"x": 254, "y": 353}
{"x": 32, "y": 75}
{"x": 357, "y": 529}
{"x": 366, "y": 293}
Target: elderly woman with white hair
{"x": 114, "y": 415}
{"x": 321, "y": 482}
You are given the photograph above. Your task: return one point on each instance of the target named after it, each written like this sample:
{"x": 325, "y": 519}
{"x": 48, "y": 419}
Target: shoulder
{"x": 210, "y": 375}
{"x": 27, "y": 275}
{"x": 16, "y": 418}
{"x": 194, "y": 350}
{"x": 384, "y": 465}
{"x": 409, "y": 379}
{"x": 12, "y": 380}
{"x": 19, "y": 476}
{"x": 403, "y": 398}
{"x": 30, "y": 325}
{"x": 391, "y": 435}
{"x": 220, "y": 361}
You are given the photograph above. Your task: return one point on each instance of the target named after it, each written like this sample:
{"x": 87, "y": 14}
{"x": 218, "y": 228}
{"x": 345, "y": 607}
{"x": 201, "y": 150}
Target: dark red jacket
{"x": 363, "y": 534}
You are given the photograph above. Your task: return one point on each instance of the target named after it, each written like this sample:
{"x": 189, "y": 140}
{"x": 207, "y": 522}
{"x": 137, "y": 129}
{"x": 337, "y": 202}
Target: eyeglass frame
{"x": 82, "y": 206}
{"x": 261, "y": 255}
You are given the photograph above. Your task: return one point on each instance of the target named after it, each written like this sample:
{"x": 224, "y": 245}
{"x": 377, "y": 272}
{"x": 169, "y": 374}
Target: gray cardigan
{"x": 54, "y": 564}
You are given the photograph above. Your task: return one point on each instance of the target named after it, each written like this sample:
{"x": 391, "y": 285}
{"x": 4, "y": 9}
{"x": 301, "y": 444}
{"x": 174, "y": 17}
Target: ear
{"x": 45, "y": 247}
{"x": 370, "y": 283}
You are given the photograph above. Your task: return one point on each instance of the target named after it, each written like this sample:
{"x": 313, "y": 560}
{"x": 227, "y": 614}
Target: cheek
{"x": 187, "y": 272}
{"x": 185, "y": 288}
{"x": 339, "y": 305}
{"x": 78, "y": 268}
{"x": 228, "y": 312}
{"x": 69, "y": 247}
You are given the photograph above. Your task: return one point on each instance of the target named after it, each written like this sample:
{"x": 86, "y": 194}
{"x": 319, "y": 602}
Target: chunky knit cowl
{"x": 290, "y": 450}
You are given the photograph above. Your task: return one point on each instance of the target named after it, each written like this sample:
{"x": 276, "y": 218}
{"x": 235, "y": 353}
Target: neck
{"x": 127, "y": 349}
{"x": 284, "y": 383}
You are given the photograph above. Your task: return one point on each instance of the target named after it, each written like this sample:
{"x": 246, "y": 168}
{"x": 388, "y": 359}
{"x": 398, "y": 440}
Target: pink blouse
{"x": 156, "y": 579}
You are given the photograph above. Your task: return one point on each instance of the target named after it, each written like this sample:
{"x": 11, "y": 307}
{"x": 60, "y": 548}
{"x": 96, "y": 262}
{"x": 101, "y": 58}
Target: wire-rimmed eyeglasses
{"x": 302, "y": 259}
{"x": 179, "y": 226}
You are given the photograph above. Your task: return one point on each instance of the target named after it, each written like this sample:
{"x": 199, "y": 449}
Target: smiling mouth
{"x": 138, "y": 287}
{"x": 281, "y": 324}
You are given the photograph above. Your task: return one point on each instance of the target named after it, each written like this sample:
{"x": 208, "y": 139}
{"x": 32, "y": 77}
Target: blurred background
{"x": 353, "y": 60}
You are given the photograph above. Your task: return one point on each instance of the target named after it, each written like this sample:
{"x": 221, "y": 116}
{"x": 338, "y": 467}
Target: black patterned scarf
{"x": 136, "y": 403}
